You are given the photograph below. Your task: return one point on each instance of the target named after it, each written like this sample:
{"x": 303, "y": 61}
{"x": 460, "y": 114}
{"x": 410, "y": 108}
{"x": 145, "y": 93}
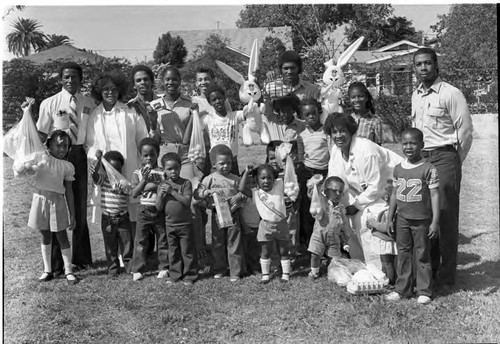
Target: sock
{"x": 285, "y": 266}
{"x": 315, "y": 270}
{"x": 265, "y": 265}
{"x": 46, "y": 257}
{"x": 68, "y": 267}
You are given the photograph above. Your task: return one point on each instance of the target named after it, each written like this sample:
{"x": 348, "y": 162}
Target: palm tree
{"x": 26, "y": 35}
{"x": 52, "y": 41}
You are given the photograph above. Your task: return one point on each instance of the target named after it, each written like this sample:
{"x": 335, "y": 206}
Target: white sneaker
{"x": 393, "y": 296}
{"x": 162, "y": 274}
{"x": 218, "y": 276}
{"x": 137, "y": 276}
{"x": 424, "y": 300}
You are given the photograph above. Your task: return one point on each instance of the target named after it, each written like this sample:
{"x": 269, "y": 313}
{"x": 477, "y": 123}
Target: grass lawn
{"x": 104, "y": 310}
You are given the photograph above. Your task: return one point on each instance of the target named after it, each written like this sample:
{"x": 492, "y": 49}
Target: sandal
{"x": 70, "y": 280}
{"x": 46, "y": 276}
{"x": 265, "y": 280}
{"x": 285, "y": 280}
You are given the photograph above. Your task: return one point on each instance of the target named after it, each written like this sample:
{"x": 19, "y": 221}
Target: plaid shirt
{"x": 277, "y": 88}
{"x": 369, "y": 127}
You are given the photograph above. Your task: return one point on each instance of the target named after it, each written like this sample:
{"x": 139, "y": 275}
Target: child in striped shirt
{"x": 115, "y": 221}
{"x": 145, "y": 182}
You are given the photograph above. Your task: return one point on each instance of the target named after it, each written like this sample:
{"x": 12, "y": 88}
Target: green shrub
{"x": 23, "y": 78}
{"x": 394, "y": 111}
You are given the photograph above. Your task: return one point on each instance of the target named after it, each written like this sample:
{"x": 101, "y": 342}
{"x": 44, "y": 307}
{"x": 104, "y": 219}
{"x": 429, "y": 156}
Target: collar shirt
{"x": 303, "y": 90}
{"x": 441, "y": 112}
{"x": 142, "y": 108}
{"x": 173, "y": 120}
{"x": 54, "y": 114}
{"x": 120, "y": 129}
{"x": 369, "y": 126}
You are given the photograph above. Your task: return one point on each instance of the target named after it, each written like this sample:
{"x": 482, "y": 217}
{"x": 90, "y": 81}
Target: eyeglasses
{"x": 110, "y": 90}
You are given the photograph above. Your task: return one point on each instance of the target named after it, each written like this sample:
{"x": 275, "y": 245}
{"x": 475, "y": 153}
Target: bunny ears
{"x": 347, "y": 54}
{"x": 253, "y": 64}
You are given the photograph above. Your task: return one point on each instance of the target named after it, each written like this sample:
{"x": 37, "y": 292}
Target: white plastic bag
{"x": 197, "y": 152}
{"x": 292, "y": 188}
{"x": 22, "y": 143}
{"x": 118, "y": 182}
{"x": 317, "y": 206}
{"x": 338, "y": 273}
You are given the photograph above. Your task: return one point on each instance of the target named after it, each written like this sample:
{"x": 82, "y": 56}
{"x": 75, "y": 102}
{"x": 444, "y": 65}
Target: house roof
{"x": 65, "y": 52}
{"x": 240, "y": 40}
{"x": 393, "y": 46}
{"x": 385, "y": 53}
{"x": 372, "y": 57}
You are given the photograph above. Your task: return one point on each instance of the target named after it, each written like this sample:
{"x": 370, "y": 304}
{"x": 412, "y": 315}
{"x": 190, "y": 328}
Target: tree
{"x": 215, "y": 48}
{"x": 170, "y": 50}
{"x": 25, "y": 36}
{"x": 271, "y": 49}
{"x": 379, "y": 28}
{"x": 467, "y": 43}
{"x": 308, "y": 22}
{"x": 11, "y": 9}
{"x": 54, "y": 40}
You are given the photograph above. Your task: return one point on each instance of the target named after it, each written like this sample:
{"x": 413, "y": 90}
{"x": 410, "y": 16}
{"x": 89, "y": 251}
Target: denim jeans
{"x": 117, "y": 235}
{"x": 445, "y": 249}
{"x": 181, "y": 252}
{"x": 149, "y": 218}
{"x": 227, "y": 249}
{"x": 413, "y": 254}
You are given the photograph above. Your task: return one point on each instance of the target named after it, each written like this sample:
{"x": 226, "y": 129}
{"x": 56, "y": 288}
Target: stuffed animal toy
{"x": 249, "y": 93}
{"x": 333, "y": 77}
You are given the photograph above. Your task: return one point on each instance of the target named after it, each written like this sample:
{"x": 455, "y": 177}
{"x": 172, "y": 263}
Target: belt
{"x": 173, "y": 143}
{"x": 48, "y": 193}
{"x": 447, "y": 148}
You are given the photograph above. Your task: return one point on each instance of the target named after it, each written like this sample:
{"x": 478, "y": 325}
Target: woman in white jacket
{"x": 364, "y": 166}
{"x": 114, "y": 126}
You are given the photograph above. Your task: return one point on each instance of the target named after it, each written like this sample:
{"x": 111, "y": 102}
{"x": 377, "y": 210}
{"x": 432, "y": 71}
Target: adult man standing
{"x": 441, "y": 112}
{"x": 69, "y": 110}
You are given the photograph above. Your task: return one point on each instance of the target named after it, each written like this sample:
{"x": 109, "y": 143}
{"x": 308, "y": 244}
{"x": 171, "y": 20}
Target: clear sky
{"x": 133, "y": 31}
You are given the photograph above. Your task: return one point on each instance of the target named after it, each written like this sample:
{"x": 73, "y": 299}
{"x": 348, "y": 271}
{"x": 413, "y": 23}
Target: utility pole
{"x": 218, "y": 24}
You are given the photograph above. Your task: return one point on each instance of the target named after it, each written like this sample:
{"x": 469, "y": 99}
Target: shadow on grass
{"x": 465, "y": 258}
{"x": 465, "y": 240}
{"x": 485, "y": 275}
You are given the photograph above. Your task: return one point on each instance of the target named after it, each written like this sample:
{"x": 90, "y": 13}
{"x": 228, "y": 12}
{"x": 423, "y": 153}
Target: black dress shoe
{"x": 47, "y": 276}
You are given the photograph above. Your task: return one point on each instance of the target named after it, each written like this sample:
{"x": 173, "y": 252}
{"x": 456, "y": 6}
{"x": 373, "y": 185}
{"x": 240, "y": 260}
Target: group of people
{"x": 374, "y": 204}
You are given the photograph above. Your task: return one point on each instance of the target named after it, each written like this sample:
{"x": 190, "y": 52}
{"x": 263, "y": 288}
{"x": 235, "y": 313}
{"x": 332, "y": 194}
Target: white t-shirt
{"x": 223, "y": 130}
{"x": 271, "y": 205}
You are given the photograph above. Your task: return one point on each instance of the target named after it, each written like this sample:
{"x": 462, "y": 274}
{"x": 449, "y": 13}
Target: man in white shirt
{"x": 69, "y": 110}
